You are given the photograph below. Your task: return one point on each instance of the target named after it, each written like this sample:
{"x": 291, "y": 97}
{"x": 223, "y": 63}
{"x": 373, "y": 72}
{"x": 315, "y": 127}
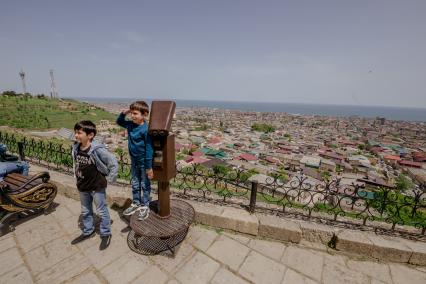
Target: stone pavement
{"x": 39, "y": 251}
{"x": 363, "y": 243}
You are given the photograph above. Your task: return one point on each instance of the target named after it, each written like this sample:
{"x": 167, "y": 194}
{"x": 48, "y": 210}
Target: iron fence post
{"x": 253, "y": 196}
{"x": 21, "y": 151}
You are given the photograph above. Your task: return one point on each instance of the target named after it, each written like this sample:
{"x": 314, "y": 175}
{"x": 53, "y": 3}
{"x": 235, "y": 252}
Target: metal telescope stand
{"x": 169, "y": 220}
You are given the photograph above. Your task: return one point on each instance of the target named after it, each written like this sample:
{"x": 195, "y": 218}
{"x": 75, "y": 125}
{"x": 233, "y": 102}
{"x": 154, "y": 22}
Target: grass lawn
{"x": 43, "y": 113}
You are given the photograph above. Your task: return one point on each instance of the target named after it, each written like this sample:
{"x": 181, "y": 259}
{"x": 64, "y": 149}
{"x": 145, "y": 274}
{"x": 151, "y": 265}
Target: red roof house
{"x": 248, "y": 157}
{"x": 410, "y": 164}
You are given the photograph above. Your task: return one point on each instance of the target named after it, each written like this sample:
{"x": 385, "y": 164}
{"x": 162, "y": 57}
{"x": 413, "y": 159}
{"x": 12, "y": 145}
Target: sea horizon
{"x": 388, "y": 112}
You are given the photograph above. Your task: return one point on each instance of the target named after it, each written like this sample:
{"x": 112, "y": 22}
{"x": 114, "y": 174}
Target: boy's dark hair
{"x": 140, "y": 106}
{"x": 87, "y": 126}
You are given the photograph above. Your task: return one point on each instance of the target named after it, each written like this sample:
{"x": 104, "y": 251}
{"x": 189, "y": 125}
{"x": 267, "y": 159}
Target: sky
{"x": 364, "y": 52}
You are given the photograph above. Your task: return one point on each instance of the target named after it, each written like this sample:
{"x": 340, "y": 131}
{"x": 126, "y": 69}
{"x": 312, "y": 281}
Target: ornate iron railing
{"x": 384, "y": 210}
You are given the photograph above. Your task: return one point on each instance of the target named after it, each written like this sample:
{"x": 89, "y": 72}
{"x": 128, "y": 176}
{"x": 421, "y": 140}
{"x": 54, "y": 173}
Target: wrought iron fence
{"x": 384, "y": 210}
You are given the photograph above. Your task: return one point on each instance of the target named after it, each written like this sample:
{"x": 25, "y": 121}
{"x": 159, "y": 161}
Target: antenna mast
{"x": 53, "y": 92}
{"x": 24, "y": 86}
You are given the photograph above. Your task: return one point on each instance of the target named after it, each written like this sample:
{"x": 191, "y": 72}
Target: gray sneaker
{"x": 143, "y": 213}
{"x": 132, "y": 209}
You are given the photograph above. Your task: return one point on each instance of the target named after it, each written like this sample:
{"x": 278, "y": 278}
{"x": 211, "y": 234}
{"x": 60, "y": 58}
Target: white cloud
{"x": 134, "y": 36}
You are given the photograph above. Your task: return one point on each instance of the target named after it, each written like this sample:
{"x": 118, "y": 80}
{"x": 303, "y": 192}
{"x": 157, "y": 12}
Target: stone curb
{"x": 385, "y": 248}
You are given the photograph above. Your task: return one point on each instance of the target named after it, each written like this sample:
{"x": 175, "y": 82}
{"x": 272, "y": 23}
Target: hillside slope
{"x": 41, "y": 113}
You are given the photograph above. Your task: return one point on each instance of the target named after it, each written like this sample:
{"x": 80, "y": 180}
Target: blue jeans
{"x": 13, "y": 167}
{"x": 86, "y": 200}
{"x": 140, "y": 183}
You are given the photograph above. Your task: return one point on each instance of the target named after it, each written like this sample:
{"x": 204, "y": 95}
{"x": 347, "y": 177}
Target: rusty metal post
{"x": 21, "y": 151}
{"x": 164, "y": 198}
{"x": 253, "y": 196}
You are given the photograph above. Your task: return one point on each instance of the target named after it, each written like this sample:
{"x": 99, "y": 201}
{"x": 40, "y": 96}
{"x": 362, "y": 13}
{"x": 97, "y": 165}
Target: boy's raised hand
{"x": 125, "y": 111}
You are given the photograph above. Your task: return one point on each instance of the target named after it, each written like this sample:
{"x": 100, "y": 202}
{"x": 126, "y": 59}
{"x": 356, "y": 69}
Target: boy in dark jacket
{"x": 93, "y": 167}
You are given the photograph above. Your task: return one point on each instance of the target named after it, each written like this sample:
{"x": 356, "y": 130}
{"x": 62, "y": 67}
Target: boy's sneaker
{"x": 105, "y": 240}
{"x": 82, "y": 238}
{"x": 132, "y": 209}
{"x": 143, "y": 213}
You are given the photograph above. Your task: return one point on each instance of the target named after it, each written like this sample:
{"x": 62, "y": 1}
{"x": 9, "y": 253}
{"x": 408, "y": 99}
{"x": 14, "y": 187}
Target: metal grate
{"x": 154, "y": 245}
{"x": 156, "y": 234}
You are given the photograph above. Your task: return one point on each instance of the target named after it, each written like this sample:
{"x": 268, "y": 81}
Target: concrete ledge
{"x": 241, "y": 221}
{"x": 317, "y": 233}
{"x": 389, "y": 249}
{"x": 207, "y": 214}
{"x": 353, "y": 242}
{"x": 419, "y": 252}
{"x": 226, "y": 218}
{"x": 279, "y": 229}
{"x": 380, "y": 247}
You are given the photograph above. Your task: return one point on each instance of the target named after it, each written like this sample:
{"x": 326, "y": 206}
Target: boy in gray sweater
{"x": 93, "y": 167}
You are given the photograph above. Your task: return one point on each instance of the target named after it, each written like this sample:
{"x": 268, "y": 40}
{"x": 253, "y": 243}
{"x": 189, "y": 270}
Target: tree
{"x": 9, "y": 94}
{"x": 326, "y": 176}
{"x": 180, "y": 156}
{"x": 403, "y": 183}
{"x": 262, "y": 127}
{"x": 119, "y": 151}
{"x": 47, "y": 121}
{"x": 280, "y": 174}
{"x": 220, "y": 169}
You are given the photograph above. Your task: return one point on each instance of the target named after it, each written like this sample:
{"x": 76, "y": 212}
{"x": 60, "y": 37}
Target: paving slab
{"x": 33, "y": 222}
{"x": 44, "y": 233}
{"x": 172, "y": 263}
{"x": 260, "y": 269}
{"x": 46, "y": 256}
{"x": 379, "y": 271}
{"x": 200, "y": 237}
{"x": 225, "y": 276}
{"x": 152, "y": 275}
{"x": 67, "y": 269}
{"x": 375, "y": 281}
{"x": 199, "y": 269}
{"x": 402, "y": 274}
{"x": 274, "y": 250}
{"x": 19, "y": 274}
{"x": 9, "y": 260}
{"x": 334, "y": 257}
{"x": 62, "y": 213}
{"x": 125, "y": 268}
{"x": 335, "y": 273}
{"x": 101, "y": 258}
{"x": 292, "y": 277}
{"x": 74, "y": 207}
{"x": 244, "y": 239}
{"x": 70, "y": 226}
{"x": 228, "y": 252}
{"x": 304, "y": 261}
{"x": 86, "y": 278}
{"x": 7, "y": 243}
